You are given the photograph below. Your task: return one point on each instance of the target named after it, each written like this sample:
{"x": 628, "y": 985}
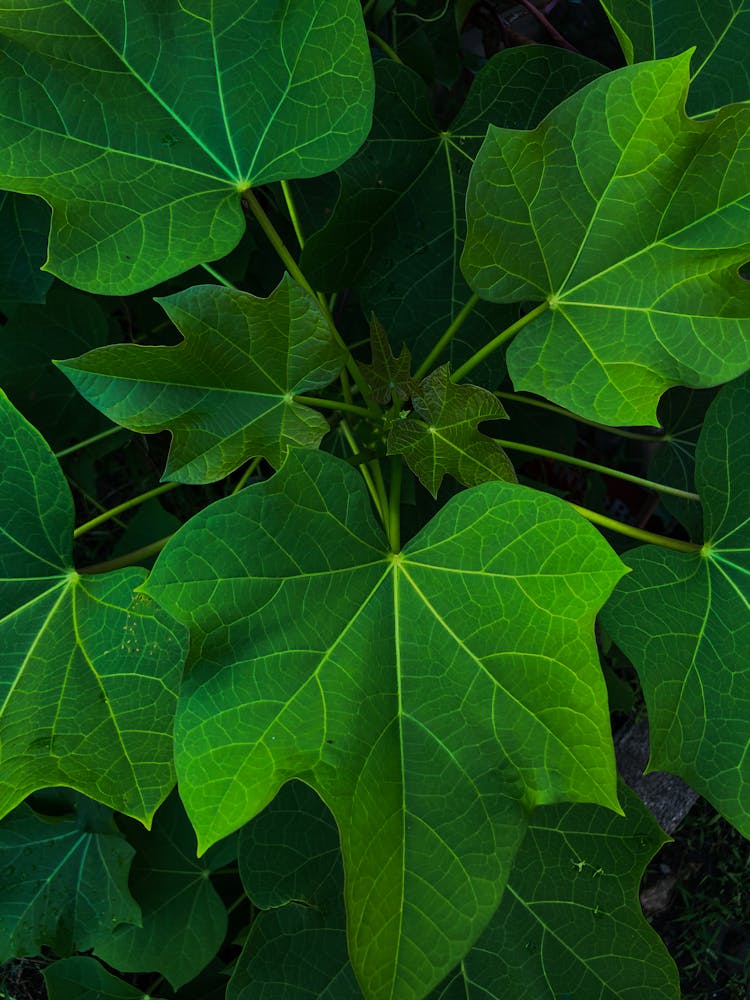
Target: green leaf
{"x": 88, "y": 670}
{"x": 683, "y": 621}
{"x": 183, "y": 918}
{"x": 570, "y": 924}
{"x": 399, "y": 224}
{"x": 226, "y": 392}
{"x": 387, "y": 374}
{"x": 431, "y": 697}
{"x": 629, "y": 221}
{"x": 24, "y": 224}
{"x": 84, "y": 979}
{"x": 720, "y": 32}
{"x": 186, "y": 106}
{"x": 446, "y": 438}
{"x": 63, "y": 880}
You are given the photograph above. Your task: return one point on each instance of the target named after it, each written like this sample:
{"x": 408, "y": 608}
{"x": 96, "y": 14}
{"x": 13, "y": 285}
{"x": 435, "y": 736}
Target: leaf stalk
{"x": 502, "y": 338}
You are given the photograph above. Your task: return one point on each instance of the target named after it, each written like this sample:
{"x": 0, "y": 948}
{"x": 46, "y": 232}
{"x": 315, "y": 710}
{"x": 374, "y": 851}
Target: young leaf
{"x": 83, "y": 978}
{"x": 629, "y": 221}
{"x": 88, "y": 670}
{"x": 446, "y": 438}
{"x": 24, "y": 225}
{"x": 63, "y": 880}
{"x": 399, "y": 225}
{"x": 141, "y": 123}
{"x": 226, "y": 392}
{"x": 387, "y": 374}
{"x": 653, "y": 29}
{"x": 183, "y": 918}
{"x": 683, "y": 621}
{"x": 431, "y": 697}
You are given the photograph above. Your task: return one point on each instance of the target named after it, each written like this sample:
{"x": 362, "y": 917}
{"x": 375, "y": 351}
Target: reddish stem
{"x": 550, "y": 28}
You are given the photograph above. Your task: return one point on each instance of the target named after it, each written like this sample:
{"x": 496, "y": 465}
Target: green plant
{"x": 362, "y": 644}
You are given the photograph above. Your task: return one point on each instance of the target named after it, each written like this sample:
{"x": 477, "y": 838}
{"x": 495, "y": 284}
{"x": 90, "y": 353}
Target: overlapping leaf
{"x": 142, "y": 122}
{"x": 399, "y": 225}
{"x": 63, "y": 880}
{"x": 460, "y": 670}
{"x": 88, "y": 670}
{"x": 226, "y": 392}
{"x": 720, "y": 32}
{"x": 445, "y": 438}
{"x": 388, "y": 376}
{"x": 84, "y": 978}
{"x": 630, "y": 222}
{"x": 684, "y": 621}
{"x": 24, "y": 225}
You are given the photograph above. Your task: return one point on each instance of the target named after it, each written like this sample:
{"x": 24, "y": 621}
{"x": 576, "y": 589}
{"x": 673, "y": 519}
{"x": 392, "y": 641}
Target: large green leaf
{"x": 719, "y": 30}
{"x": 629, "y": 221}
{"x": 88, "y": 670}
{"x": 24, "y": 225}
{"x": 141, "y": 122}
{"x": 684, "y": 621}
{"x": 183, "y": 918}
{"x": 432, "y": 697}
{"x": 63, "y": 880}
{"x": 399, "y": 224}
{"x": 226, "y": 392}
{"x": 84, "y": 979}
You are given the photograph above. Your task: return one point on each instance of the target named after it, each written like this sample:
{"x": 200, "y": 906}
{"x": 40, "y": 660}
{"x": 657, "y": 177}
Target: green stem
{"x": 368, "y": 7}
{"x": 292, "y": 209}
{"x": 87, "y": 441}
{"x": 501, "y": 339}
{"x": 247, "y": 473}
{"x": 394, "y": 503}
{"x": 447, "y": 337}
{"x": 631, "y": 532}
{"x": 382, "y": 44}
{"x": 130, "y": 558}
{"x": 219, "y": 277}
{"x": 238, "y": 902}
{"x": 332, "y": 404}
{"x": 293, "y": 268}
{"x": 604, "y": 469}
{"x": 543, "y": 405}
{"x": 377, "y": 498}
{"x": 114, "y": 511}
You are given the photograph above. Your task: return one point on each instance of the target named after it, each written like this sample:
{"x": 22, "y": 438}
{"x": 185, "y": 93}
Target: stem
{"x": 550, "y": 28}
{"x": 638, "y": 533}
{"x": 394, "y": 503}
{"x": 332, "y": 404}
{"x": 292, "y": 209}
{"x": 114, "y": 511}
{"x": 238, "y": 902}
{"x": 604, "y": 469}
{"x": 144, "y": 552}
{"x": 447, "y": 337}
{"x": 377, "y": 499}
{"x": 501, "y": 338}
{"x": 247, "y": 473}
{"x": 543, "y": 405}
{"x": 368, "y": 7}
{"x": 219, "y": 277}
{"x": 87, "y": 441}
{"x": 293, "y": 268}
{"x": 382, "y": 44}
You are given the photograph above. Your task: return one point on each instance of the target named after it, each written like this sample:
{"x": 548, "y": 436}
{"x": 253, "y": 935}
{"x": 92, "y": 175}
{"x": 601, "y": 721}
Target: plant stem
{"x": 293, "y": 268}
{"x": 332, "y": 404}
{"x": 292, "y": 209}
{"x": 87, "y": 441}
{"x": 377, "y": 499}
{"x": 501, "y": 338}
{"x": 447, "y": 337}
{"x": 593, "y": 467}
{"x": 394, "y": 503}
{"x": 114, "y": 511}
{"x": 638, "y": 533}
{"x": 543, "y": 405}
{"x": 551, "y": 29}
{"x": 129, "y": 558}
{"x": 246, "y": 474}
{"x": 382, "y": 44}
{"x": 219, "y": 277}
{"x": 238, "y": 902}
{"x": 368, "y": 7}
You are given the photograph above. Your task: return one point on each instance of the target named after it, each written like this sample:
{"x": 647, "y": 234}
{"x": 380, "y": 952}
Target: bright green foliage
{"x": 88, "y": 670}
{"x": 446, "y": 439}
{"x": 63, "y": 880}
{"x": 183, "y": 918}
{"x": 683, "y": 621}
{"x": 142, "y": 122}
{"x": 630, "y": 221}
{"x": 400, "y": 223}
{"x": 85, "y": 979}
{"x": 23, "y": 242}
{"x": 226, "y": 392}
{"x": 388, "y": 377}
{"x": 391, "y": 684}
{"x": 719, "y": 30}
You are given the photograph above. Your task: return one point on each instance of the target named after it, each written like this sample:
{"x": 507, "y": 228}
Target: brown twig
{"x": 550, "y": 28}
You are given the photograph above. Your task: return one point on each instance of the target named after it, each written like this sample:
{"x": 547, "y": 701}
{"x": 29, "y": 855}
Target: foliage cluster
{"x": 359, "y": 636}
